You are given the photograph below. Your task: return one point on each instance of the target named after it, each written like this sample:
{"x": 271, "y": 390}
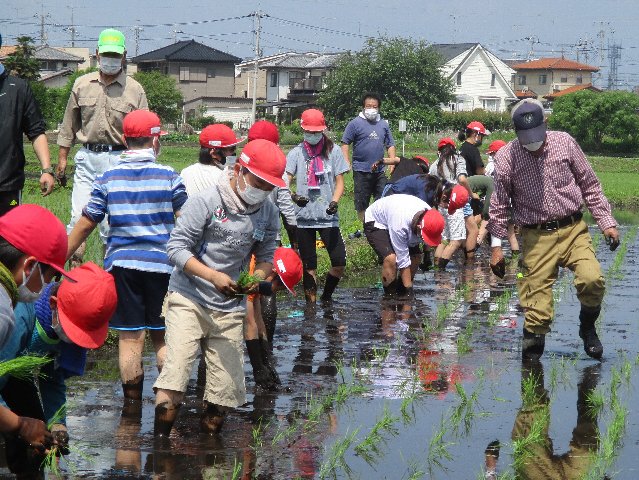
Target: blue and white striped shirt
{"x": 141, "y": 198}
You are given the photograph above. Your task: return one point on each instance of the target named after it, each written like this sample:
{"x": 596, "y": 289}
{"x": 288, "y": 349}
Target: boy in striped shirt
{"x": 142, "y": 199}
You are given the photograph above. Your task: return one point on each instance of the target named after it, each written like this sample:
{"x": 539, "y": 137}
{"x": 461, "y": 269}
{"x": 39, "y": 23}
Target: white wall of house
{"x": 277, "y": 85}
{"x": 481, "y": 81}
{"x": 240, "y": 116}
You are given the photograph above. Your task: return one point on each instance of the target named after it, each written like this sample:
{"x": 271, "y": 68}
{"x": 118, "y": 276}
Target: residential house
{"x": 547, "y": 76}
{"x": 480, "y": 79}
{"x": 56, "y": 65}
{"x": 567, "y": 91}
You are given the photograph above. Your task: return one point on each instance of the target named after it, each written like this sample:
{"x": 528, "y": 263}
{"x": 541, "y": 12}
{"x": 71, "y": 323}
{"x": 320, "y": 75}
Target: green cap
{"x": 111, "y": 40}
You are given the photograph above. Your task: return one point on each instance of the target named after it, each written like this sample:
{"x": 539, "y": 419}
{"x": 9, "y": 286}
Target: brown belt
{"x": 556, "y": 224}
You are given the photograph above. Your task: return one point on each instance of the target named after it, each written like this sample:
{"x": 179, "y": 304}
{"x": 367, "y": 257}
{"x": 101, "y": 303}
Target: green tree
{"x": 22, "y": 62}
{"x": 606, "y": 121}
{"x": 406, "y": 74}
{"x": 163, "y": 95}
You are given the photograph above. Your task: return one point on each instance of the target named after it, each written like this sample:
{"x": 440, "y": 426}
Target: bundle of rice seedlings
{"x": 24, "y": 367}
{"x": 245, "y": 280}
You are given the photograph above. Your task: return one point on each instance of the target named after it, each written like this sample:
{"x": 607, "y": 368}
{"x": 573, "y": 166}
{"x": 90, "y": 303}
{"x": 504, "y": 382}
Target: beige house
{"x": 199, "y": 70}
{"x": 547, "y": 76}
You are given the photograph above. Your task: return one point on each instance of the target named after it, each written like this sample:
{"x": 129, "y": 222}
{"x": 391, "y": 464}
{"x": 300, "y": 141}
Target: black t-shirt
{"x": 473, "y": 158}
{"x": 406, "y": 167}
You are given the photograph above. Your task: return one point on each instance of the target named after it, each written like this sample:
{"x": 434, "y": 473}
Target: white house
{"x": 481, "y": 80}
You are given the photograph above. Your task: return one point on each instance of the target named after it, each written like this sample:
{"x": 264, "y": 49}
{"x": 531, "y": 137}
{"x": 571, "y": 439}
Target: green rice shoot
{"x": 24, "y": 367}
{"x": 245, "y": 280}
{"x": 50, "y": 461}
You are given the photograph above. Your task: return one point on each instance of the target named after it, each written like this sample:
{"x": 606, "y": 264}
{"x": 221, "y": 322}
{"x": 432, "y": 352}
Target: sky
{"x": 582, "y": 30}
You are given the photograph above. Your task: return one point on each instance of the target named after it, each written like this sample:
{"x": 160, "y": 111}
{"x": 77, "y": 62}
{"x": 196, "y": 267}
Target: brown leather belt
{"x": 553, "y": 225}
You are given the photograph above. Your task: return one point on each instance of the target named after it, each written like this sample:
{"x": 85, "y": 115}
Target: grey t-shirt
{"x": 221, "y": 240}
{"x": 449, "y": 175}
{"x": 314, "y": 215}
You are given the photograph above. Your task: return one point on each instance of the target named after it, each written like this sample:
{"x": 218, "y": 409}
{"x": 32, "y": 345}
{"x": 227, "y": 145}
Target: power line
{"x": 321, "y": 29}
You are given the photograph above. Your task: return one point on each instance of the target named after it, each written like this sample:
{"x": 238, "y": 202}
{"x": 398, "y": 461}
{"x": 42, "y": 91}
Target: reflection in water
{"x": 534, "y": 455}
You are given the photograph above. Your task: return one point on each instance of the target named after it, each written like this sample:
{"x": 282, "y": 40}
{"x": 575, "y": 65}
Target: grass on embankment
{"x": 619, "y": 178}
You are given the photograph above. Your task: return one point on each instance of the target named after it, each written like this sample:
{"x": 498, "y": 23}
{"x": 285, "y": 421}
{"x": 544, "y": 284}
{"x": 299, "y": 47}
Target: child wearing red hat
{"x": 141, "y": 198}
{"x": 32, "y": 252}
{"x": 211, "y": 244}
{"x": 68, "y": 318}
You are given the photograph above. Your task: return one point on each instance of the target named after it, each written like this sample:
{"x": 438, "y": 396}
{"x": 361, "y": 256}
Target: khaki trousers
{"x": 190, "y": 325}
{"x": 543, "y": 253}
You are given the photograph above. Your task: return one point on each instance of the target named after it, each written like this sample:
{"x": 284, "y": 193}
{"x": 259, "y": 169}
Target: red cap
{"x": 86, "y": 307}
{"x": 265, "y": 160}
{"x": 313, "y": 120}
{"x": 142, "y": 123}
{"x": 432, "y": 227}
{"x": 458, "y": 198}
{"x": 218, "y": 135}
{"x": 423, "y": 159}
{"x": 446, "y": 141}
{"x": 265, "y": 130}
{"x": 478, "y": 127}
{"x": 37, "y": 232}
{"x": 288, "y": 265}
{"x": 495, "y": 146}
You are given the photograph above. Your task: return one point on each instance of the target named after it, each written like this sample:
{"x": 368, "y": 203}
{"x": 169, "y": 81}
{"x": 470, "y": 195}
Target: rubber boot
{"x": 310, "y": 288}
{"x": 427, "y": 262}
{"x": 442, "y": 262}
{"x": 132, "y": 397}
{"x": 329, "y": 287}
{"x": 588, "y": 332}
{"x": 212, "y": 419}
{"x": 261, "y": 374}
{"x": 165, "y": 416}
{"x": 268, "y": 361}
{"x": 269, "y": 315}
{"x": 391, "y": 288}
{"x": 532, "y": 346}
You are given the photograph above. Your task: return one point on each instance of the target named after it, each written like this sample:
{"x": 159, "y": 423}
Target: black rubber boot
{"x": 165, "y": 416}
{"x": 588, "y": 332}
{"x": 269, "y": 314}
{"x": 391, "y": 288}
{"x": 532, "y": 346}
{"x": 310, "y": 288}
{"x": 442, "y": 262}
{"x": 329, "y": 287}
{"x": 212, "y": 419}
{"x": 268, "y": 361}
{"x": 427, "y": 262}
{"x": 133, "y": 390}
{"x": 261, "y": 374}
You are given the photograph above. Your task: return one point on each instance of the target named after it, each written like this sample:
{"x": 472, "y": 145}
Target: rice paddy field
{"x": 378, "y": 388}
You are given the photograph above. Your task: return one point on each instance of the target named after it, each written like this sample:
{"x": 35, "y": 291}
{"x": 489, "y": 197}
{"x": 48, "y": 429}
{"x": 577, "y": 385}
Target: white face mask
{"x": 57, "y": 327}
{"x": 312, "y": 138}
{"x": 251, "y": 195}
{"x": 370, "y": 114}
{"x": 533, "y": 147}
{"x": 24, "y": 294}
{"x": 110, "y": 65}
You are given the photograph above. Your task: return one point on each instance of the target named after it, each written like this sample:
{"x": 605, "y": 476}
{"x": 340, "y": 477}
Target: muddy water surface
{"x": 380, "y": 389}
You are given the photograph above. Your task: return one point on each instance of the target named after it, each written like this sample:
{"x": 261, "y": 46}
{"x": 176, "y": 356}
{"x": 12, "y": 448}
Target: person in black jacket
{"x": 19, "y": 114}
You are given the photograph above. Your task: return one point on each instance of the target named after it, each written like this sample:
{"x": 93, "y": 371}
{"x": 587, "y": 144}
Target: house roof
{"x": 292, "y": 60}
{"x": 45, "y": 52}
{"x": 554, "y": 64}
{"x": 450, "y": 50}
{"x": 60, "y": 73}
{"x": 573, "y": 89}
{"x": 186, "y": 51}
{"x": 7, "y": 50}
{"x": 325, "y": 61}
{"x": 525, "y": 94}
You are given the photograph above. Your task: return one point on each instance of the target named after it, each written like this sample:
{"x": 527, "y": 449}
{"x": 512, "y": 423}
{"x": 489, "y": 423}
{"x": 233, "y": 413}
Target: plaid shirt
{"x": 549, "y": 187}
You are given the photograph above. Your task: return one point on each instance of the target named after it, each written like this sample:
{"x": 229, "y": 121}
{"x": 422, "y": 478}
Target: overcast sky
{"x": 509, "y": 29}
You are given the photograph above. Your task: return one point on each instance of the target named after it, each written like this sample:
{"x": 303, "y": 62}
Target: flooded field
{"x": 382, "y": 389}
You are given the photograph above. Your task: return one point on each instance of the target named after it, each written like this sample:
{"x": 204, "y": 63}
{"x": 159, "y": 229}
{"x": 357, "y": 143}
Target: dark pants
{"x": 333, "y": 242}
{"x": 9, "y": 200}
{"x": 365, "y": 186}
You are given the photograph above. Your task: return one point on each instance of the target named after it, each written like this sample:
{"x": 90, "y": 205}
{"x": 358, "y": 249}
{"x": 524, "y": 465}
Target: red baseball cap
{"x": 313, "y": 120}
{"x": 218, "y": 135}
{"x": 432, "y": 227}
{"x": 423, "y": 159}
{"x": 86, "y": 307}
{"x": 458, "y": 198}
{"x": 265, "y": 130}
{"x": 265, "y": 160}
{"x": 446, "y": 141}
{"x": 37, "y": 232}
{"x": 288, "y": 265}
{"x": 142, "y": 123}
{"x": 495, "y": 146}
{"x": 478, "y": 127}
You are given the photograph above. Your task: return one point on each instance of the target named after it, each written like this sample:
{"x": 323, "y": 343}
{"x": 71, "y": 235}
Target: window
{"x": 564, "y": 79}
{"x": 295, "y": 79}
{"x": 192, "y": 74}
{"x": 210, "y": 72}
{"x": 490, "y": 104}
{"x": 64, "y": 64}
{"x": 458, "y": 78}
{"x": 273, "y": 79}
{"x": 493, "y": 77}
{"x": 543, "y": 79}
{"x": 579, "y": 80}
{"x": 522, "y": 79}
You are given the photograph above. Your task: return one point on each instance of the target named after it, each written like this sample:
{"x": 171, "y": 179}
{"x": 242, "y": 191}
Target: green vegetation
{"x": 24, "y": 367}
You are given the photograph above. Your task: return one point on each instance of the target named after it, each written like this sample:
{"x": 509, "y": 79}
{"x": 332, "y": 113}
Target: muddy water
{"x": 444, "y": 370}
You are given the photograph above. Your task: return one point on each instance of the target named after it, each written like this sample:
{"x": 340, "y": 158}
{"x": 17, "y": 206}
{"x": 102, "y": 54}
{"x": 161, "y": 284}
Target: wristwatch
{"x": 49, "y": 170}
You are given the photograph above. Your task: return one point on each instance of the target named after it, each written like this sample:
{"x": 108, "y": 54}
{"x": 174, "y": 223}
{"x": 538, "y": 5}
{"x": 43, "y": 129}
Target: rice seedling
{"x": 369, "y": 447}
{"x": 595, "y": 401}
{"x": 523, "y": 447}
{"x": 245, "y": 280}
{"x": 614, "y": 271}
{"x": 336, "y": 454}
{"x": 24, "y": 367}
{"x": 438, "y": 448}
{"x": 237, "y": 470}
{"x": 258, "y": 434}
{"x": 51, "y": 460}
{"x": 502, "y": 303}
{"x": 464, "y": 338}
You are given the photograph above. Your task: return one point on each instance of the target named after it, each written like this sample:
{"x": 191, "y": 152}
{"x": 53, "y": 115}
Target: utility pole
{"x": 136, "y": 34}
{"x": 614, "y": 55}
{"x": 257, "y": 16}
{"x": 532, "y": 39}
{"x": 175, "y": 34}
{"x": 43, "y": 32}
{"x": 72, "y": 29}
